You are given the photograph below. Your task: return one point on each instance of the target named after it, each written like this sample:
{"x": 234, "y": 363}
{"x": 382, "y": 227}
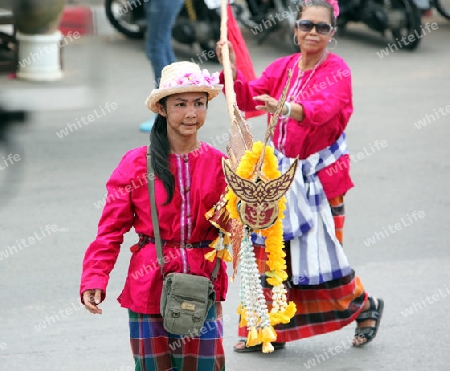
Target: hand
{"x": 92, "y": 298}
{"x": 270, "y": 104}
{"x": 220, "y": 44}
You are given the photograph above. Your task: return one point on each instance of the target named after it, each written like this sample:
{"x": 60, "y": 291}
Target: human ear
{"x": 161, "y": 109}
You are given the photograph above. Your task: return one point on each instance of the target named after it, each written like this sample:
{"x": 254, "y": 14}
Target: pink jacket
{"x": 199, "y": 182}
{"x": 327, "y": 103}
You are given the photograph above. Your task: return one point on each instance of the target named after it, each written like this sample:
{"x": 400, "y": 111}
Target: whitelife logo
{"x": 9, "y": 160}
{"x": 391, "y": 229}
{"x": 86, "y": 120}
{"x": 31, "y": 240}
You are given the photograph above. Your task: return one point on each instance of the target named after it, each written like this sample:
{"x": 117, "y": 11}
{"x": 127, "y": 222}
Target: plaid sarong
{"x": 317, "y": 255}
{"x": 154, "y": 349}
{"x": 338, "y": 212}
{"x": 321, "y": 308}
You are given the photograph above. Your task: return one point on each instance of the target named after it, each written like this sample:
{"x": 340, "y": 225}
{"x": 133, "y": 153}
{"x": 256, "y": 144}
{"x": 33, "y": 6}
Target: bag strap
{"x": 151, "y": 191}
{"x": 156, "y": 231}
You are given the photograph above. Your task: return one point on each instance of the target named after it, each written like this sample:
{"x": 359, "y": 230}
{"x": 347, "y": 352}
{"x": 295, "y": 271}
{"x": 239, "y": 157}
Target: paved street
{"x": 397, "y": 225}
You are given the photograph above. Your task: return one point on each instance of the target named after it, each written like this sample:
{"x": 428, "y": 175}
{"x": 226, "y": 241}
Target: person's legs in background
{"x": 161, "y": 15}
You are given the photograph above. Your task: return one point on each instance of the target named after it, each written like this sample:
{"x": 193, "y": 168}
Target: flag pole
{"x": 228, "y": 73}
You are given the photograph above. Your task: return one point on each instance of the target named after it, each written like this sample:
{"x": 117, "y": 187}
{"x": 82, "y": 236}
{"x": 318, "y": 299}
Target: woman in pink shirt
{"x": 188, "y": 183}
{"x": 325, "y": 289}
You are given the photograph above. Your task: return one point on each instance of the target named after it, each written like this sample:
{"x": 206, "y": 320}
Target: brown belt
{"x": 144, "y": 240}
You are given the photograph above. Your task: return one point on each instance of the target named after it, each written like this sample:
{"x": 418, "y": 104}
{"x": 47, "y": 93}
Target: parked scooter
{"x": 198, "y": 21}
{"x": 127, "y": 17}
{"x": 443, "y": 7}
{"x": 402, "y": 18}
{"x": 266, "y": 17}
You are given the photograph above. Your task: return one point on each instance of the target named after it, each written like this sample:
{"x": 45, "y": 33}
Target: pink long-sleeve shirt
{"x": 199, "y": 182}
{"x": 327, "y": 106}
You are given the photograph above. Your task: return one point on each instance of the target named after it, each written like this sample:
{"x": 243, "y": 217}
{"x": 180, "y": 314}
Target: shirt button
{"x": 187, "y": 189}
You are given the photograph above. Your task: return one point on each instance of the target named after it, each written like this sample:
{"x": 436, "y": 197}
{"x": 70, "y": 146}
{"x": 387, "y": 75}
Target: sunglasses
{"x": 321, "y": 27}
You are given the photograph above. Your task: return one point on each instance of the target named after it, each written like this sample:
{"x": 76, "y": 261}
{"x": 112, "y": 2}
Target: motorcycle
{"x": 198, "y": 21}
{"x": 443, "y": 7}
{"x": 401, "y": 17}
{"x": 264, "y": 17}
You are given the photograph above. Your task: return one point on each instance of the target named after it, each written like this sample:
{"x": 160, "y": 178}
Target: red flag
{"x": 243, "y": 60}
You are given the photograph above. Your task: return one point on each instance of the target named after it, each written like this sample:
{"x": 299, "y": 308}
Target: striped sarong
{"x": 321, "y": 308}
{"x": 308, "y": 224}
{"x": 154, "y": 349}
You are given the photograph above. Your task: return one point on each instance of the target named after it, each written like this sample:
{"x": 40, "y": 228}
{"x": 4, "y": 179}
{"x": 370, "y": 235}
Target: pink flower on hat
{"x": 211, "y": 80}
{"x": 187, "y": 79}
{"x": 198, "y": 79}
{"x": 180, "y": 77}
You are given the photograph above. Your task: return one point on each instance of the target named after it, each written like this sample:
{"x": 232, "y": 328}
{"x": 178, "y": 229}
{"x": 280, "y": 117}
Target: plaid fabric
{"x": 321, "y": 308}
{"x": 306, "y": 198}
{"x": 338, "y": 212}
{"x": 154, "y": 349}
{"x": 308, "y": 222}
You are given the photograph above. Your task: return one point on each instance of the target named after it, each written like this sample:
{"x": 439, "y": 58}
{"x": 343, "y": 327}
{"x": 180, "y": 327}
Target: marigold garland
{"x": 220, "y": 248}
{"x": 281, "y": 311}
{"x": 218, "y": 218}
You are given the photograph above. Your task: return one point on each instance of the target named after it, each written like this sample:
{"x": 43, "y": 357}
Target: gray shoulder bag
{"x": 186, "y": 299}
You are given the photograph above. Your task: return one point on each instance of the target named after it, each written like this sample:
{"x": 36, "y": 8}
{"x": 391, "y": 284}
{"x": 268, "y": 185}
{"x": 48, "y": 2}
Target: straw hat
{"x": 184, "y": 77}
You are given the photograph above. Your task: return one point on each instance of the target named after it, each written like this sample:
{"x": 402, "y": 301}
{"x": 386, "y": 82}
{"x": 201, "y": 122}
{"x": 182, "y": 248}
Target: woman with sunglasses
{"x": 327, "y": 293}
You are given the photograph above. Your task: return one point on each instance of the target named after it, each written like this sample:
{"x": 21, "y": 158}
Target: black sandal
{"x": 373, "y": 313}
{"x": 255, "y": 348}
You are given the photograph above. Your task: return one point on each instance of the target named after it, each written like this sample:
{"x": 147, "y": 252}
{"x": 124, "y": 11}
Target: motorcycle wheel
{"x": 443, "y": 7}
{"x": 121, "y": 18}
{"x": 412, "y": 22}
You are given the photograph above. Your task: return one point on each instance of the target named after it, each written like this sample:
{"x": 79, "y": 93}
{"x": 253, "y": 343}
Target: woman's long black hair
{"x": 159, "y": 152}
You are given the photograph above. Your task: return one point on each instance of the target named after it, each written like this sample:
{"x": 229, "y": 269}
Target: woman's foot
{"x": 368, "y": 322}
{"x": 240, "y": 347}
